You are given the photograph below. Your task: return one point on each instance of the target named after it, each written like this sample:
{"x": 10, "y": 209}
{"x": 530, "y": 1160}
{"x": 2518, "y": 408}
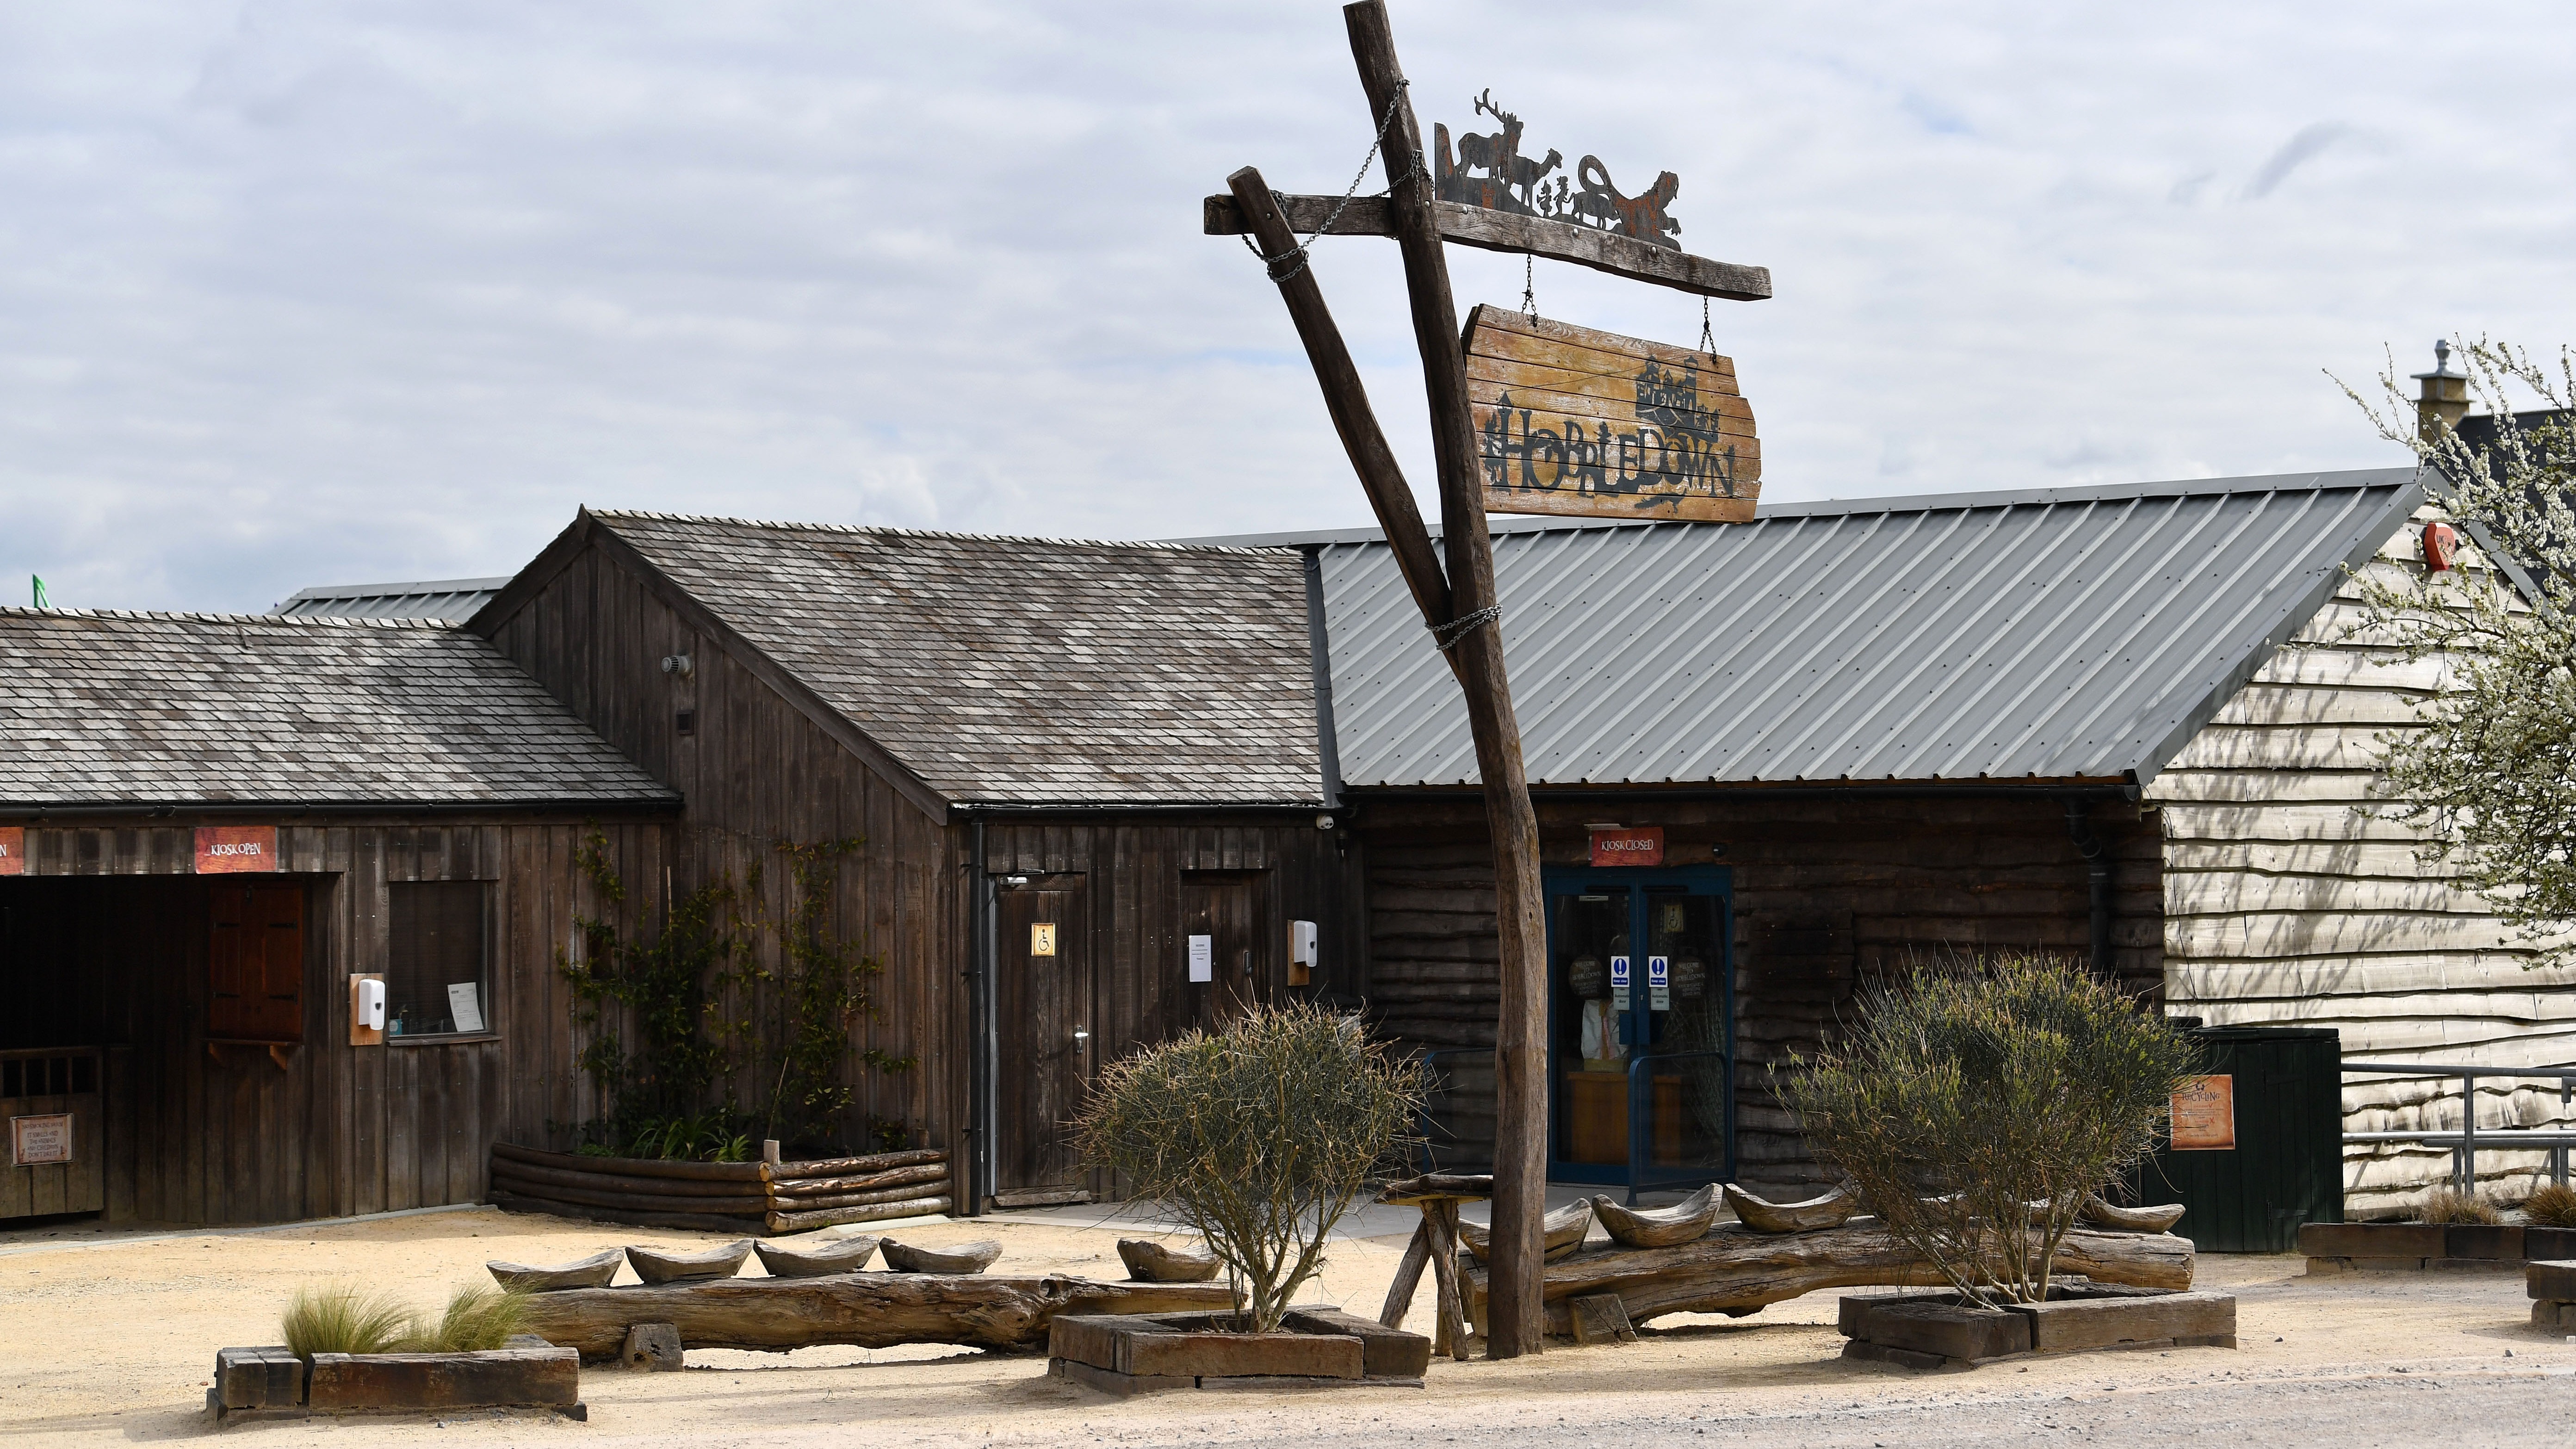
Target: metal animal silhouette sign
{"x": 1570, "y": 420}
{"x": 1491, "y": 172}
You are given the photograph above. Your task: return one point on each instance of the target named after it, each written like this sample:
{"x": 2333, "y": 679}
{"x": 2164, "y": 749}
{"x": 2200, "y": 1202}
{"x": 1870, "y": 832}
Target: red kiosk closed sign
{"x": 1616, "y": 845}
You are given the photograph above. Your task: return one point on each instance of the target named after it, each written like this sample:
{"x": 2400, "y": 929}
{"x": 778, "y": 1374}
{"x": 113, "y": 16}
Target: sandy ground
{"x": 112, "y": 1338}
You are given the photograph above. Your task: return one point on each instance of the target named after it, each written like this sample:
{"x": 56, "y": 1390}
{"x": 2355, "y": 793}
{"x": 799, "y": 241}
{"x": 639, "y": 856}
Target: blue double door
{"x": 1641, "y": 1026}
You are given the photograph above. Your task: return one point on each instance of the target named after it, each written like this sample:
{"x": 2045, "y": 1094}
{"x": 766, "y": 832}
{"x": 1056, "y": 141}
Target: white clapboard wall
{"x": 2292, "y": 898}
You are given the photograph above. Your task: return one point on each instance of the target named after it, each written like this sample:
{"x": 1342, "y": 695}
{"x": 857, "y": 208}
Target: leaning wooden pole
{"x": 1516, "y": 1323}
{"x": 1381, "y": 478}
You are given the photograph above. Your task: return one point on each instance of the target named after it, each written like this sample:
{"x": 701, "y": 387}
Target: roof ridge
{"x": 1159, "y": 545}
{"x": 197, "y": 616}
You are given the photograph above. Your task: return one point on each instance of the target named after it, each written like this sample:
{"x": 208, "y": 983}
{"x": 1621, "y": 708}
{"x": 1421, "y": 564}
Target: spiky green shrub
{"x": 2551, "y": 1205}
{"x": 1260, "y": 1136}
{"x": 1978, "y": 1100}
{"x": 478, "y": 1316}
{"x": 344, "y": 1318}
{"x": 2447, "y": 1205}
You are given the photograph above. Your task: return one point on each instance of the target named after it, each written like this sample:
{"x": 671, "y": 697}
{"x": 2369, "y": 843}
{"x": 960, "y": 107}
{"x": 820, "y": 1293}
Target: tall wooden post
{"x": 1515, "y": 1321}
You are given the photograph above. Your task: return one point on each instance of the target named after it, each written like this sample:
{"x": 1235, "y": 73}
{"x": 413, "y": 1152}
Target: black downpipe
{"x": 2097, "y": 866}
{"x": 979, "y": 1008}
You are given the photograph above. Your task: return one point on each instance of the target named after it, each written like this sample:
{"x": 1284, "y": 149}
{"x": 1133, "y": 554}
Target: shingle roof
{"x": 451, "y": 601}
{"x": 104, "y": 708}
{"x": 2058, "y": 634}
{"x": 1026, "y": 670}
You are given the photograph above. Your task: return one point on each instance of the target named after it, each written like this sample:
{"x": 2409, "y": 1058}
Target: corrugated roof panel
{"x": 2070, "y": 634}
{"x": 448, "y": 601}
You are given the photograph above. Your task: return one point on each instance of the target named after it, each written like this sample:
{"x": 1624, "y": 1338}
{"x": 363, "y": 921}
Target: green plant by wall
{"x": 727, "y": 1048}
{"x": 1979, "y": 1101}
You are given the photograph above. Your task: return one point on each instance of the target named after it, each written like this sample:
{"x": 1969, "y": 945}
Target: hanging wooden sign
{"x": 1570, "y": 420}
{"x": 13, "y": 849}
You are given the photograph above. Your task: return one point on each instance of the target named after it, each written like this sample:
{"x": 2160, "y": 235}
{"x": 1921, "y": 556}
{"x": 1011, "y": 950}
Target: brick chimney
{"x": 2445, "y": 396}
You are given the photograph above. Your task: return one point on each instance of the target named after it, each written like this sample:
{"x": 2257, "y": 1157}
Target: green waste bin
{"x": 2282, "y": 1092}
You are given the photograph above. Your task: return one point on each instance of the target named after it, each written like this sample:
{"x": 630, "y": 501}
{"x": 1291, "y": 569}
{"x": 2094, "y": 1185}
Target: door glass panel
{"x": 1688, "y": 1100}
{"x": 1591, "y": 1046}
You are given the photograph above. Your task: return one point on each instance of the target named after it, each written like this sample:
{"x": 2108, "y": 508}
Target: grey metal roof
{"x": 108, "y": 708}
{"x": 2053, "y": 634}
{"x": 1026, "y": 670}
{"x": 450, "y": 601}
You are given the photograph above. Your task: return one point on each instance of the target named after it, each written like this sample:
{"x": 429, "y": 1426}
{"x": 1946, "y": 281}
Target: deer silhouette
{"x": 1500, "y": 154}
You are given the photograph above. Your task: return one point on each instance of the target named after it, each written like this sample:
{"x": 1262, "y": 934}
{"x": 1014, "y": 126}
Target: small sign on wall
{"x": 13, "y": 850}
{"x": 232, "y": 849}
{"x": 1202, "y": 958}
{"x": 1618, "y": 983}
{"x": 1614, "y": 845}
{"x": 1659, "y": 983}
{"x": 1042, "y": 938}
{"x": 36, "y": 1141}
{"x": 2204, "y": 1115}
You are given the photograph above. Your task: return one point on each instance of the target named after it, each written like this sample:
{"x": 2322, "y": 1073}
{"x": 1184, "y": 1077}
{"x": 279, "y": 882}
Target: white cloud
{"x": 299, "y": 293}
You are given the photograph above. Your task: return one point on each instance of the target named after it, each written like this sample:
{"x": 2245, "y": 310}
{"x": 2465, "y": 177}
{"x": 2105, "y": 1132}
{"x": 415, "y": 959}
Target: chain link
{"x": 1448, "y": 635}
{"x": 1271, "y": 264}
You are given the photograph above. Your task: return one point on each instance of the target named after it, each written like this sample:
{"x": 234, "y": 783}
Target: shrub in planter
{"x": 344, "y": 1318}
{"x": 2551, "y": 1205}
{"x": 1260, "y": 1136}
{"x": 2447, "y": 1205}
{"x": 1979, "y": 1100}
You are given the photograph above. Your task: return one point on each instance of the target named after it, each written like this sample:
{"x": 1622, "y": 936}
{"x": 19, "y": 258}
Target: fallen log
{"x": 864, "y": 1310}
{"x": 873, "y": 1213}
{"x": 847, "y": 1166}
{"x": 803, "y": 1187}
{"x": 629, "y": 1197}
{"x": 1734, "y": 1270}
{"x": 514, "y": 1202}
{"x": 550, "y": 1175}
{"x": 746, "y": 1172}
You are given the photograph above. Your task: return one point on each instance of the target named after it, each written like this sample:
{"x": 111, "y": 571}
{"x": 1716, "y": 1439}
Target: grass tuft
{"x": 2448, "y": 1205}
{"x": 478, "y": 1316}
{"x": 343, "y": 1318}
{"x": 2551, "y": 1205}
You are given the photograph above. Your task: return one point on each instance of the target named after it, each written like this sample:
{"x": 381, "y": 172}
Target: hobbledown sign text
{"x": 1570, "y": 420}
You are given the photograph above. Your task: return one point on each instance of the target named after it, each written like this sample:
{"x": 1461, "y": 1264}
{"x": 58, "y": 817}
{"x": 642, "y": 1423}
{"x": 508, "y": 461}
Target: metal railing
{"x": 1641, "y": 1124}
{"x": 2465, "y": 1140}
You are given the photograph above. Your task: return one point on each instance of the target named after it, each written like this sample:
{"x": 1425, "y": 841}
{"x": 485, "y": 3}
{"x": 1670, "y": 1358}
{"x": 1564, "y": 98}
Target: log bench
{"x": 862, "y": 1310}
{"x": 1736, "y": 1271}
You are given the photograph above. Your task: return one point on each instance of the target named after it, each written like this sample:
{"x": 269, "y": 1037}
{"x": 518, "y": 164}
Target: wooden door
{"x": 1043, "y": 1017}
{"x": 1231, "y": 908}
{"x": 255, "y": 963}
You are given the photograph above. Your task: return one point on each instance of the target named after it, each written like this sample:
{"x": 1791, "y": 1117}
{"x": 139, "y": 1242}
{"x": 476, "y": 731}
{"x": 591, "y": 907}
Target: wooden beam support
{"x": 1502, "y": 231}
{"x": 1347, "y": 400}
{"x": 1516, "y": 1324}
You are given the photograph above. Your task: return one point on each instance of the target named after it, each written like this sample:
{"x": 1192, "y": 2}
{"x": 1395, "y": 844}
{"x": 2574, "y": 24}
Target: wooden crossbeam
{"x": 1502, "y": 231}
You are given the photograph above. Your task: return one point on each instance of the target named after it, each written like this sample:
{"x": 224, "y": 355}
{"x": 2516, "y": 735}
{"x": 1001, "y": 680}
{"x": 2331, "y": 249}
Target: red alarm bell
{"x": 2441, "y": 544}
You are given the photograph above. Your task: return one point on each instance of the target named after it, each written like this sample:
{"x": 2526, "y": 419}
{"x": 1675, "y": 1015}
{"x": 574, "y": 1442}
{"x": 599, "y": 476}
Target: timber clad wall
{"x": 2288, "y": 900}
{"x": 105, "y": 941}
{"x": 759, "y": 773}
{"x": 1827, "y": 892}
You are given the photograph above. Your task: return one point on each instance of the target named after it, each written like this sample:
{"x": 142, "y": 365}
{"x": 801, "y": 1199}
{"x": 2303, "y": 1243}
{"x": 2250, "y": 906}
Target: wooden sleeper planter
{"x": 1316, "y": 1346}
{"x": 272, "y": 1383}
{"x": 760, "y": 1198}
{"x": 2434, "y": 1247}
{"x": 1935, "y": 1331}
{"x": 2552, "y": 1288}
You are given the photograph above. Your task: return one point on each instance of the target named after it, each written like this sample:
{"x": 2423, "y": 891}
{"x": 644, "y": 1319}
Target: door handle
{"x": 1081, "y": 1040}
{"x": 1247, "y": 960}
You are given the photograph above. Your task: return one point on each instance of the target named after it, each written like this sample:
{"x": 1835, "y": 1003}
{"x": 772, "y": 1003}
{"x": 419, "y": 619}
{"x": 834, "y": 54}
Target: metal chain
{"x": 1707, "y": 339}
{"x": 1271, "y": 264}
{"x": 1529, "y": 287}
{"x": 1447, "y": 635}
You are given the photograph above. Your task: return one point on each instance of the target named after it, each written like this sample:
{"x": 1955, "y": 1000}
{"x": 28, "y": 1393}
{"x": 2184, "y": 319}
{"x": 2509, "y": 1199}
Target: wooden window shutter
{"x": 255, "y": 964}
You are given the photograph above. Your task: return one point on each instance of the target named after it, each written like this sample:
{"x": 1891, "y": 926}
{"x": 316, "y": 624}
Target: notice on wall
{"x": 465, "y": 1005}
{"x": 2204, "y": 1115}
{"x": 232, "y": 849}
{"x": 1659, "y": 983}
{"x": 1614, "y": 845}
{"x": 13, "y": 849}
{"x": 35, "y": 1141}
{"x": 1202, "y": 958}
{"x": 1042, "y": 938}
{"x": 1619, "y": 983}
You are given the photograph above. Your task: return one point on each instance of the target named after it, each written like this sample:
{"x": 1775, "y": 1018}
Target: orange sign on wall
{"x": 2204, "y": 1115}
{"x": 1617, "y": 846}
{"x": 13, "y": 850}
{"x": 231, "y": 849}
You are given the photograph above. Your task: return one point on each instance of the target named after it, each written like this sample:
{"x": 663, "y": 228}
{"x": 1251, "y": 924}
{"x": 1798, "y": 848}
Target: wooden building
{"x": 209, "y": 825}
{"x": 1063, "y": 761}
{"x": 1846, "y": 735}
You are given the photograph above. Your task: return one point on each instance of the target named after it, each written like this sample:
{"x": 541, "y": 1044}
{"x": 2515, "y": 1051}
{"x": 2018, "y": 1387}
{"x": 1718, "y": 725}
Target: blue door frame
{"x": 1640, "y": 1028}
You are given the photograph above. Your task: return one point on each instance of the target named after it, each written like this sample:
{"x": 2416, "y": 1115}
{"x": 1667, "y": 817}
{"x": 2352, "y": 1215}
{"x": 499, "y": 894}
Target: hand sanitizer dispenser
{"x": 371, "y": 1005}
{"x": 1301, "y": 953}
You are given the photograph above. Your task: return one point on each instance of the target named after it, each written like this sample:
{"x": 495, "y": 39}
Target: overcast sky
{"x": 298, "y": 293}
